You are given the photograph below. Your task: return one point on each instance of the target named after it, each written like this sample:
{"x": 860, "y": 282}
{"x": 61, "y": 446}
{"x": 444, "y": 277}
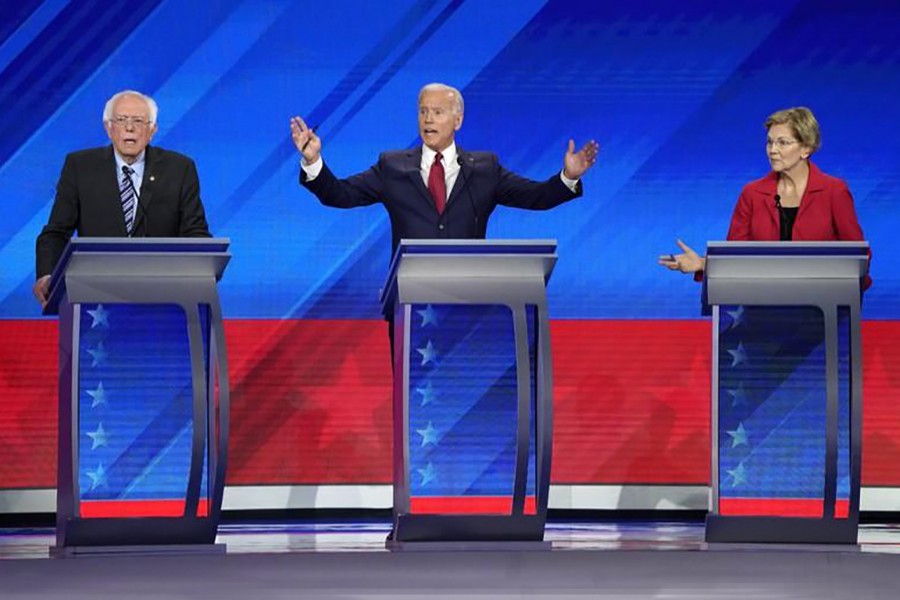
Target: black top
{"x": 788, "y": 216}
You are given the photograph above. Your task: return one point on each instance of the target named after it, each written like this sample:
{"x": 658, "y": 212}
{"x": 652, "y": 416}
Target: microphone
{"x": 783, "y": 231}
{"x": 459, "y": 161}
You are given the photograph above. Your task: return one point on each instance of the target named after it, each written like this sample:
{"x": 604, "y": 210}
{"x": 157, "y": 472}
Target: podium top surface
{"x": 455, "y": 255}
{"x": 135, "y": 256}
{"x": 775, "y": 260}
{"x": 835, "y": 249}
{"x": 798, "y": 266}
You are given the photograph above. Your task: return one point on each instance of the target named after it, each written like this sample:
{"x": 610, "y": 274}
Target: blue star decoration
{"x": 429, "y": 354}
{"x": 100, "y": 316}
{"x": 428, "y": 394}
{"x": 429, "y": 435}
{"x": 737, "y": 317}
{"x": 739, "y": 475}
{"x": 428, "y": 316}
{"x": 738, "y": 436}
{"x": 99, "y": 438}
{"x": 428, "y": 474}
{"x": 738, "y": 355}
{"x": 99, "y": 354}
{"x": 98, "y": 477}
{"x": 98, "y": 395}
{"x": 738, "y": 396}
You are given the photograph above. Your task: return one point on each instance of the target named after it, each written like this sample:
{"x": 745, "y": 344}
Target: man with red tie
{"x": 438, "y": 191}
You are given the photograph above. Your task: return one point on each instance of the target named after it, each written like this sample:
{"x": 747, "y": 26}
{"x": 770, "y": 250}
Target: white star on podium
{"x": 428, "y": 394}
{"x": 428, "y": 474}
{"x": 429, "y": 354}
{"x": 98, "y": 477}
{"x": 100, "y": 316}
{"x": 738, "y": 436}
{"x": 739, "y": 474}
{"x": 738, "y": 396}
{"x": 98, "y": 395}
{"x": 99, "y": 437}
{"x": 99, "y": 354}
{"x": 428, "y": 316}
{"x": 429, "y": 435}
{"x": 737, "y": 317}
{"x": 739, "y": 355}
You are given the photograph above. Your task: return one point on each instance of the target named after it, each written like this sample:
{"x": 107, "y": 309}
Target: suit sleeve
{"x": 64, "y": 219}
{"x": 362, "y": 189}
{"x": 519, "y": 192}
{"x": 191, "y": 216}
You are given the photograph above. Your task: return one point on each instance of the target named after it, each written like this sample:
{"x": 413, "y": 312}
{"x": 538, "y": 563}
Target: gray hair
{"x": 442, "y": 87}
{"x": 111, "y": 103}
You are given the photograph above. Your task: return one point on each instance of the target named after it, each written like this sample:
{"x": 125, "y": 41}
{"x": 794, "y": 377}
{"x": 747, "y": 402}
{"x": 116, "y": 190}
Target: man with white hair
{"x": 126, "y": 189}
{"x": 438, "y": 190}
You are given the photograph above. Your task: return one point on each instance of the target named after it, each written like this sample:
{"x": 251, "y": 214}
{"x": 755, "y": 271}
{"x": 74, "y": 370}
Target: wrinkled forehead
{"x": 438, "y": 99}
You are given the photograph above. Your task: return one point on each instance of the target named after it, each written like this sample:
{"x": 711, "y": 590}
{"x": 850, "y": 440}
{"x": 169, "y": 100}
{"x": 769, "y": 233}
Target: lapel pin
{"x": 152, "y": 178}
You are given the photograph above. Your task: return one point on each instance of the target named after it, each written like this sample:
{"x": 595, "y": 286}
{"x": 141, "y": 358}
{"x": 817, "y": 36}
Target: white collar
{"x": 448, "y": 154}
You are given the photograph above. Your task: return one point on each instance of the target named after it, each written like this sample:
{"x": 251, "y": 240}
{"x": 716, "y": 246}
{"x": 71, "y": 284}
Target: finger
{"x": 300, "y": 123}
{"x": 684, "y": 246}
{"x": 571, "y": 149}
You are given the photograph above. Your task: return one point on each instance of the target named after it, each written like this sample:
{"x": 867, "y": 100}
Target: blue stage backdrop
{"x": 675, "y": 92}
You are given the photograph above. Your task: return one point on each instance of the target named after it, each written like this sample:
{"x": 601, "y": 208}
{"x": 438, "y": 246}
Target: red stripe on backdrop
{"x": 780, "y": 507}
{"x": 138, "y": 508}
{"x": 469, "y": 505}
{"x": 311, "y": 402}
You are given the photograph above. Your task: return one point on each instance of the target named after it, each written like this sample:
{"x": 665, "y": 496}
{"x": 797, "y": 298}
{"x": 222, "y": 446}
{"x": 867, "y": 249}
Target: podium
{"x": 143, "y": 394}
{"x": 472, "y": 399}
{"x": 786, "y": 391}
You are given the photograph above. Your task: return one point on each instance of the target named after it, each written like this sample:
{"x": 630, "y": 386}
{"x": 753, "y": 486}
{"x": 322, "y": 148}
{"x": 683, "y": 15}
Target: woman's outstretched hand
{"x": 686, "y": 262}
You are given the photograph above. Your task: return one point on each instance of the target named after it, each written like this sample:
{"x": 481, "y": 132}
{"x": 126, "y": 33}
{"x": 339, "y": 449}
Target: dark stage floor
{"x": 348, "y": 560}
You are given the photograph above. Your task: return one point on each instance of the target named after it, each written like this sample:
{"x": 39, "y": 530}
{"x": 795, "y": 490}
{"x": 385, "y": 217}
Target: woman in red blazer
{"x": 795, "y": 201}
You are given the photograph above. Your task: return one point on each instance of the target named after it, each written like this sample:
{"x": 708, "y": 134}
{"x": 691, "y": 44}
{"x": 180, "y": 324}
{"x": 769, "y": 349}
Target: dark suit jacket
{"x": 396, "y": 181}
{"x": 87, "y": 201}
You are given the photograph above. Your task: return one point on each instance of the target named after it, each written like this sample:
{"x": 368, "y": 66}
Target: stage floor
{"x": 349, "y": 560}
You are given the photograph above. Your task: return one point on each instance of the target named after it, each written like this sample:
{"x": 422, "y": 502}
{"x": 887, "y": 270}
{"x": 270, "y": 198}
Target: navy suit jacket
{"x": 396, "y": 182}
{"x": 87, "y": 201}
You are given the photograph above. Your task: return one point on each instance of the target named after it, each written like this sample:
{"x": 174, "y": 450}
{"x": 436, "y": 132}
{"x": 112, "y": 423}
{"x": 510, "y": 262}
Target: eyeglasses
{"x": 781, "y": 143}
{"x": 122, "y": 121}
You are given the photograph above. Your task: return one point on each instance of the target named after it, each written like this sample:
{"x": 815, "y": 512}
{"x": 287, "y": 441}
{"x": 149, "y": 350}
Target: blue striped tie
{"x": 128, "y": 195}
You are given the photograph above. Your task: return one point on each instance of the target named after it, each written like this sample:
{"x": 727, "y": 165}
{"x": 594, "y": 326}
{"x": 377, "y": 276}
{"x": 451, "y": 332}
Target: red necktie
{"x": 437, "y": 185}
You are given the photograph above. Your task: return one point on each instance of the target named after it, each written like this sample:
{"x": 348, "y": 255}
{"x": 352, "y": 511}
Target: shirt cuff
{"x": 572, "y": 184}
{"x": 312, "y": 170}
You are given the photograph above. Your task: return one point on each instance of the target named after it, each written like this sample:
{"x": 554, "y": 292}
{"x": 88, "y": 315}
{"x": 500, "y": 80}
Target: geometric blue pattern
{"x": 772, "y": 404}
{"x": 463, "y": 401}
{"x": 675, "y": 92}
{"x": 135, "y": 411}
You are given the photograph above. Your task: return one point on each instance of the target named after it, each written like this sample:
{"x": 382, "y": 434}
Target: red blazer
{"x": 826, "y": 213}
